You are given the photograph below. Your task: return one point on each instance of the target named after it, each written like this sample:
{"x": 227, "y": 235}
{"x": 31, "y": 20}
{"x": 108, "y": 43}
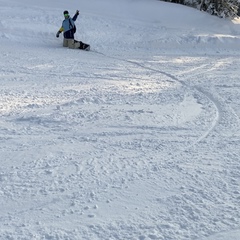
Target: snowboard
{"x": 84, "y": 46}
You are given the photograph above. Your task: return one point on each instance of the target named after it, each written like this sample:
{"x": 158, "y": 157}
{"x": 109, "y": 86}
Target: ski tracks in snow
{"x": 191, "y": 91}
{"x": 95, "y": 143}
{"x": 218, "y": 116}
{"x": 208, "y": 91}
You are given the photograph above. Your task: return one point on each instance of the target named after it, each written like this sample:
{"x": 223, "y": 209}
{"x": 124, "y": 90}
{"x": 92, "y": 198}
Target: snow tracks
{"x": 136, "y": 149}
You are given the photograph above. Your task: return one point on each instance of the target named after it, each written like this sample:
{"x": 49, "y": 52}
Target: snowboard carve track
{"x": 215, "y": 103}
{"x": 202, "y": 92}
{"x": 215, "y": 120}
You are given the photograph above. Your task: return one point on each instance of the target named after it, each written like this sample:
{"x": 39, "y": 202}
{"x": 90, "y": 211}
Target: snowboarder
{"x": 69, "y": 28}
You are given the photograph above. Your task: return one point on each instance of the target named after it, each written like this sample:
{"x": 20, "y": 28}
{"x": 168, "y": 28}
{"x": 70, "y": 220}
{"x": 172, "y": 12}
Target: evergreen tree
{"x": 220, "y": 8}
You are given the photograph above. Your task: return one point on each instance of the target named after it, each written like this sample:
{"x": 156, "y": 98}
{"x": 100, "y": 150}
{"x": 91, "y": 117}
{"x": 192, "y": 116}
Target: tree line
{"x": 221, "y": 8}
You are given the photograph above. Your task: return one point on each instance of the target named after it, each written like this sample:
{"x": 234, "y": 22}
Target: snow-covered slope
{"x": 136, "y": 139}
{"x": 121, "y": 25}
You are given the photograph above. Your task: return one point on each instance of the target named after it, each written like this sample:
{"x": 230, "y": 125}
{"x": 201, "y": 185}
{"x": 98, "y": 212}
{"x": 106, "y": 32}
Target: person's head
{"x": 66, "y": 14}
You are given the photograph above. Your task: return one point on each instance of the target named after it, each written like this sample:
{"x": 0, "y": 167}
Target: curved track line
{"x": 215, "y": 120}
{"x": 201, "y": 91}
{"x": 207, "y": 95}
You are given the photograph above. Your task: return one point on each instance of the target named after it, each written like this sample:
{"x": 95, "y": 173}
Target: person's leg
{"x": 65, "y": 42}
{"x": 73, "y": 44}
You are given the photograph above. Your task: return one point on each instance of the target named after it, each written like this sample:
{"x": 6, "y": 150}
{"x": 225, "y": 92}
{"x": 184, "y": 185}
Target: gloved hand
{"x": 57, "y": 35}
{"x": 77, "y": 12}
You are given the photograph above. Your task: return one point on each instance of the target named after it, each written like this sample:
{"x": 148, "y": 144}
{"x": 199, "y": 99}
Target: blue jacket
{"x": 68, "y": 27}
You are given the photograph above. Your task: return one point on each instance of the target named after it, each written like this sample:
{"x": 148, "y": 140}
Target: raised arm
{"x": 75, "y": 16}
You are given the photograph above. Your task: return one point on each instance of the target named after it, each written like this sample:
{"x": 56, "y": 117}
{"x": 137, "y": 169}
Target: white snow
{"x": 137, "y": 139}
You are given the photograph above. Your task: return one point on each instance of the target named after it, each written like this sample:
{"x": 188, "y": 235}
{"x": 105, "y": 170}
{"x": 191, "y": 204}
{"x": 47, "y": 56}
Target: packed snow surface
{"x": 137, "y": 139}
